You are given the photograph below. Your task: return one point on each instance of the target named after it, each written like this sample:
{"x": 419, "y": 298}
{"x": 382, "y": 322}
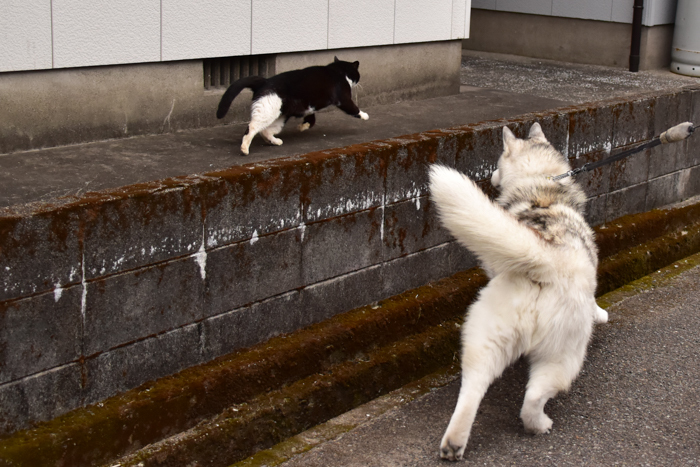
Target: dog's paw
{"x": 452, "y": 448}
{"x": 538, "y": 425}
{"x": 601, "y": 316}
{"x": 244, "y": 149}
{"x": 364, "y": 116}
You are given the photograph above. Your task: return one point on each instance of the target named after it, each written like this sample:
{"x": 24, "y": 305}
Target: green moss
{"x": 649, "y": 282}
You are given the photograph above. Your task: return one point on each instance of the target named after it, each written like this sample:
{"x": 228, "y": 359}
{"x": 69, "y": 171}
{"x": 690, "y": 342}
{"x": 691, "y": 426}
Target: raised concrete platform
{"x": 105, "y": 290}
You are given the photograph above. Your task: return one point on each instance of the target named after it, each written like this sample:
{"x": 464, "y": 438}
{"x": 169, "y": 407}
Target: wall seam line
{"x": 161, "y": 30}
{"x": 328, "y": 25}
{"x": 394, "y": 38}
{"x": 53, "y": 60}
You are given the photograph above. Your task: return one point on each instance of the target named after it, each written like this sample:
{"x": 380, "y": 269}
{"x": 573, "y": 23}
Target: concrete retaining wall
{"x": 107, "y": 291}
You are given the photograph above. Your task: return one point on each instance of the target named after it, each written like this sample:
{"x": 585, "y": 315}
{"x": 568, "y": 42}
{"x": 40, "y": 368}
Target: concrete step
{"x": 221, "y": 412}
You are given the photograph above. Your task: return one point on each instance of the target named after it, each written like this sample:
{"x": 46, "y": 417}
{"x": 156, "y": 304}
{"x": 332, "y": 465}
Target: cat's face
{"x": 350, "y": 69}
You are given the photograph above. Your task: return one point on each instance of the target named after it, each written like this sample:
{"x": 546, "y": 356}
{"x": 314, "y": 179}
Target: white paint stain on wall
{"x": 201, "y": 258}
{"x": 57, "y": 292}
{"x": 227, "y": 234}
{"x": 83, "y": 299}
{"x": 358, "y": 202}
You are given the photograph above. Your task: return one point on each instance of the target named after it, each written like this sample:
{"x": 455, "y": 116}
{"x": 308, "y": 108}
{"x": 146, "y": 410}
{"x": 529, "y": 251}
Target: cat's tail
{"x": 251, "y": 82}
{"x": 496, "y": 237}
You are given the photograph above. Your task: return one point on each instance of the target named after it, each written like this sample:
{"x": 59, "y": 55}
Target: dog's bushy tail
{"x": 496, "y": 237}
{"x": 251, "y": 82}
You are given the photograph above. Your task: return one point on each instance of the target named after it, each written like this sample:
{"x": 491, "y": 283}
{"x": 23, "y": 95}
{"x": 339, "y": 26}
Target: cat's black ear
{"x": 357, "y": 64}
{"x": 335, "y": 59}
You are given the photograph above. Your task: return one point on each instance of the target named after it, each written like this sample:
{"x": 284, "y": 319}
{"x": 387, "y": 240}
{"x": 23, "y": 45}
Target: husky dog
{"x": 541, "y": 259}
{"x": 296, "y": 93}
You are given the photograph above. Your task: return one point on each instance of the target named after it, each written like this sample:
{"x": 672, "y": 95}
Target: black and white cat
{"x": 296, "y": 93}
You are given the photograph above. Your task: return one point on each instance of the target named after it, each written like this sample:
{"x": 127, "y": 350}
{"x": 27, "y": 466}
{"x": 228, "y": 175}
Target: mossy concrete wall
{"x": 104, "y": 292}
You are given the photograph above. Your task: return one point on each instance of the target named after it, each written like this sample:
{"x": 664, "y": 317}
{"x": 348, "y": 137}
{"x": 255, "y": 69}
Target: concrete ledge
{"x": 279, "y": 388}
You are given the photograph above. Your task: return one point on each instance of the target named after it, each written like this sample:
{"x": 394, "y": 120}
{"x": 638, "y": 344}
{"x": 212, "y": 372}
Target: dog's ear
{"x": 509, "y": 138}
{"x": 536, "y": 133}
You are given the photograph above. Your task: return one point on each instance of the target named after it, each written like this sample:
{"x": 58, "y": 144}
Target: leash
{"x": 672, "y": 135}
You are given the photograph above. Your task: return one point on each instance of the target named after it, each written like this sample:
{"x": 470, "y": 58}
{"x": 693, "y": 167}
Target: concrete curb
{"x": 255, "y": 398}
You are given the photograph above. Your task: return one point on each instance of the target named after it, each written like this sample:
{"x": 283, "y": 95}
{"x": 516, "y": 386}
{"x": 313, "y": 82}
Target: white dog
{"x": 540, "y": 255}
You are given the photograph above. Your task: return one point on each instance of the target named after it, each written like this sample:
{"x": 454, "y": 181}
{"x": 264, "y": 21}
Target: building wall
{"x": 39, "y": 34}
{"x": 597, "y": 32}
{"x": 656, "y": 12}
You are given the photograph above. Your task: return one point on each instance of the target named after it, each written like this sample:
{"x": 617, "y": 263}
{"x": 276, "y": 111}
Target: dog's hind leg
{"x": 488, "y": 347}
{"x": 547, "y": 378}
{"x": 454, "y": 441}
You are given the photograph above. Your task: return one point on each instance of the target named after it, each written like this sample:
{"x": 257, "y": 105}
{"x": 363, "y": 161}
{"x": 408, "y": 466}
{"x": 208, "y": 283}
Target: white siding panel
{"x": 360, "y": 23}
{"x": 622, "y": 11}
{"x": 25, "y": 35}
{"x": 104, "y": 32}
{"x": 467, "y": 18}
{"x": 289, "y": 26}
{"x": 535, "y": 7}
{"x": 205, "y": 28}
{"x": 485, "y": 4}
{"x": 420, "y": 21}
{"x": 600, "y": 10}
{"x": 458, "y": 18}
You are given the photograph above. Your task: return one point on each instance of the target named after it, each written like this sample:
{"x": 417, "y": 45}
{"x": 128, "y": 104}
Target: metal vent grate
{"x": 221, "y": 72}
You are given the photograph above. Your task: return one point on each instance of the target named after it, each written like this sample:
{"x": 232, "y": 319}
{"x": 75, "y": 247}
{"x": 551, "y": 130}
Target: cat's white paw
{"x": 275, "y": 141}
{"x": 452, "y": 446}
{"x": 364, "y": 116}
{"x": 244, "y": 149}
{"x": 601, "y": 316}
{"x": 304, "y": 126}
